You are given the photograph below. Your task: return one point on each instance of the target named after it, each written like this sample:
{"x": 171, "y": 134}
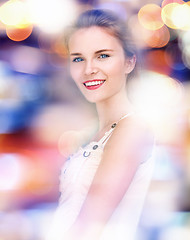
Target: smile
{"x": 94, "y": 84}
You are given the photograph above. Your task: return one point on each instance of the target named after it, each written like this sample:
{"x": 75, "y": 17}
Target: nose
{"x": 90, "y": 68}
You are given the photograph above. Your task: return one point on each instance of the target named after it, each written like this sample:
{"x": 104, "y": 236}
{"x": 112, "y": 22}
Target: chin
{"x": 95, "y": 100}
{"x": 91, "y": 100}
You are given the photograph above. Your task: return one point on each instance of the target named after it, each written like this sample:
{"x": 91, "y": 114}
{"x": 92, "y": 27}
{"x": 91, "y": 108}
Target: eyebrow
{"x": 99, "y": 51}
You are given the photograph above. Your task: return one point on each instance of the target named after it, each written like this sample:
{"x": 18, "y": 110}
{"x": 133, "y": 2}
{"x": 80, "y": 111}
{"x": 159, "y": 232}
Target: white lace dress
{"x": 75, "y": 180}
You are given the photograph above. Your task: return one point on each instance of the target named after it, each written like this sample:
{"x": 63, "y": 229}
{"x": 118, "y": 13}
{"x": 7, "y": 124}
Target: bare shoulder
{"x": 131, "y": 136}
{"x": 133, "y": 127}
{"x": 136, "y": 125}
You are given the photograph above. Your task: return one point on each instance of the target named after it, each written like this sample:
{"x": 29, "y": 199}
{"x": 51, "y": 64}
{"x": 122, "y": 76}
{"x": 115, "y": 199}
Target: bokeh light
{"x": 150, "y": 17}
{"x": 14, "y": 13}
{"x": 19, "y": 34}
{"x": 167, "y": 12}
{"x": 158, "y": 38}
{"x": 148, "y": 38}
{"x": 181, "y": 16}
{"x": 15, "y": 16}
{"x": 176, "y": 15}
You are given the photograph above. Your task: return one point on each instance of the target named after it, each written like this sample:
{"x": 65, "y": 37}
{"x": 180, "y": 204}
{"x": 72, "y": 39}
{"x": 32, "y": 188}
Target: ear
{"x": 130, "y": 64}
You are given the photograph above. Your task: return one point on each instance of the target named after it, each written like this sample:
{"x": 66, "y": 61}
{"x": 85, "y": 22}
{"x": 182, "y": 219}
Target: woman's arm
{"x": 129, "y": 145}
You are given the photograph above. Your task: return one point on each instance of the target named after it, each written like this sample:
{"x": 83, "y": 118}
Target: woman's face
{"x": 97, "y": 63}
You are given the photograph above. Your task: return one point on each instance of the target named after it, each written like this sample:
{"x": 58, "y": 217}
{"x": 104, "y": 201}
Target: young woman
{"x": 103, "y": 185}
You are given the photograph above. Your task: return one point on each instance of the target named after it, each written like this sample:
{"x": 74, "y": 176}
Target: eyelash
{"x": 79, "y": 59}
{"x": 105, "y": 55}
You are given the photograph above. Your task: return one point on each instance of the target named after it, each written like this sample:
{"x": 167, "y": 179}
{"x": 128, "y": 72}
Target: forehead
{"x": 93, "y": 39}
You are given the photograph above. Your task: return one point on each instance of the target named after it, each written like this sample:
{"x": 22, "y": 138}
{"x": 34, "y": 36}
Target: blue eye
{"x": 77, "y": 59}
{"x": 104, "y": 55}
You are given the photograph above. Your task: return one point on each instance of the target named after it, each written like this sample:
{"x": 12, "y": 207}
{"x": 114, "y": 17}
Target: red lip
{"x": 93, "y": 87}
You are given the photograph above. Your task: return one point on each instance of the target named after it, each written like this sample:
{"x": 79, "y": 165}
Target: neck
{"x": 112, "y": 109}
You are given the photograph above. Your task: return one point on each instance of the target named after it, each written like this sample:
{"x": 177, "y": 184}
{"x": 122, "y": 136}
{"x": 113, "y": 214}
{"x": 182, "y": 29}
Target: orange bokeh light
{"x": 19, "y": 34}
{"x": 150, "y": 17}
{"x": 147, "y": 38}
{"x": 158, "y": 38}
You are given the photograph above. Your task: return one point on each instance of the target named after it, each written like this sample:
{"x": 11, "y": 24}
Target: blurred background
{"x": 39, "y": 103}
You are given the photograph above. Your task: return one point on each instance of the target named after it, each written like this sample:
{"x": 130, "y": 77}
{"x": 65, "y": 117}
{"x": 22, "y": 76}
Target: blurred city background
{"x": 39, "y": 102}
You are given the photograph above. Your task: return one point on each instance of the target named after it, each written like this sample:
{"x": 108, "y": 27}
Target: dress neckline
{"x": 93, "y": 145}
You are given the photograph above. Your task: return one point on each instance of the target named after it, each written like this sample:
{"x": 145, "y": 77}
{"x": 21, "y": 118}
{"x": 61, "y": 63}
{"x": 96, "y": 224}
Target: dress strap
{"x": 107, "y": 134}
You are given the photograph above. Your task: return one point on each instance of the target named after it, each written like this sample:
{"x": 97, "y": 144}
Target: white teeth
{"x": 93, "y": 83}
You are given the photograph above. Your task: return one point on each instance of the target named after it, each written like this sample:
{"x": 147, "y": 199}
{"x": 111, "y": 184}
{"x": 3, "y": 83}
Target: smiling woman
{"x": 104, "y": 183}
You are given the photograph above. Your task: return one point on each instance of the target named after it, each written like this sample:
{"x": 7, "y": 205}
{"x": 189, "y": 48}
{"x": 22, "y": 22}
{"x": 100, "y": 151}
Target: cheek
{"x": 75, "y": 72}
{"x": 117, "y": 69}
